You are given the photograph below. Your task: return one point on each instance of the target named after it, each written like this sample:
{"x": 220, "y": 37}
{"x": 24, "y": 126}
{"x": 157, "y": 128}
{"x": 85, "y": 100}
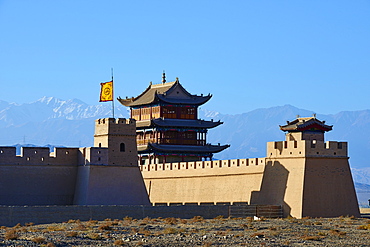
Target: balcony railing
{"x": 171, "y": 141}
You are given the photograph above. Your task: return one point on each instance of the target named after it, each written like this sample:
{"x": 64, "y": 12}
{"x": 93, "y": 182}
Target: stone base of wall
{"x": 12, "y": 215}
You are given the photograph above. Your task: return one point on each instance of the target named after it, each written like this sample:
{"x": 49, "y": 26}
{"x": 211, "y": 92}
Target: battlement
{"x": 93, "y": 156}
{"x": 61, "y": 156}
{"x": 307, "y": 148}
{"x": 215, "y": 164}
{"x": 39, "y": 156}
{"x": 114, "y": 121}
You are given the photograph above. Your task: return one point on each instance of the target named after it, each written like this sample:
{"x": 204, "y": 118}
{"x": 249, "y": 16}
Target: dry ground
{"x": 342, "y": 231}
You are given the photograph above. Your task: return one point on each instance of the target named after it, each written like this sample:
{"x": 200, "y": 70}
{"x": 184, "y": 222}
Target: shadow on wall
{"x": 273, "y": 187}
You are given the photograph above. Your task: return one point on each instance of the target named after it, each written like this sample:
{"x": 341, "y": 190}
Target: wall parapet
{"x": 39, "y": 156}
{"x": 193, "y": 165}
{"x": 122, "y": 121}
{"x": 307, "y": 148}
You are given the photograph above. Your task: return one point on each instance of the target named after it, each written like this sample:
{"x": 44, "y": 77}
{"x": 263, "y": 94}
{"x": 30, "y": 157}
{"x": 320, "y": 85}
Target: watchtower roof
{"x": 170, "y": 92}
{"x": 306, "y": 123}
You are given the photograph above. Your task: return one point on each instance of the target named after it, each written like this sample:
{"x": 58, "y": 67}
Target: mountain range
{"x": 52, "y": 121}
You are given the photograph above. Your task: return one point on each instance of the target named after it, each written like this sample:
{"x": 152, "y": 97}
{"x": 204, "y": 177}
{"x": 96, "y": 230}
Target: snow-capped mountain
{"x": 71, "y": 123}
{"x": 53, "y": 108}
{"x": 52, "y": 121}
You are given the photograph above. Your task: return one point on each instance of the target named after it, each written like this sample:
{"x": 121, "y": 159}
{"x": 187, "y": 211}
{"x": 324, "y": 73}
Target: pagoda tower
{"x": 167, "y": 124}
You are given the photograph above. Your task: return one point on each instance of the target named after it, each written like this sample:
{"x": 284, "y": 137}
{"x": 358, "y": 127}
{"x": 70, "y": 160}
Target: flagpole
{"x": 112, "y": 94}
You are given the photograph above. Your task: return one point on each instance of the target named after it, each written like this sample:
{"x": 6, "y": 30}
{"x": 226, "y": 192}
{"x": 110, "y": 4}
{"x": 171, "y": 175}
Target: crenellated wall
{"x": 203, "y": 164}
{"x": 306, "y": 148}
{"x": 39, "y": 156}
{"x": 203, "y": 182}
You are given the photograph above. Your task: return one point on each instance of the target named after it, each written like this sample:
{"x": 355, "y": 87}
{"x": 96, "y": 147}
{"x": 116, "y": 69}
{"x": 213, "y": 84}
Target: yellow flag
{"x": 106, "y": 91}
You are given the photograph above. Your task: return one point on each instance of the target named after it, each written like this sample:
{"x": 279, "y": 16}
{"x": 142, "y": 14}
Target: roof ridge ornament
{"x": 164, "y": 77}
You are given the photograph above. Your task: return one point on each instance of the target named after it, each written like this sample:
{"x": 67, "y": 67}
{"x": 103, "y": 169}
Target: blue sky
{"x": 249, "y": 54}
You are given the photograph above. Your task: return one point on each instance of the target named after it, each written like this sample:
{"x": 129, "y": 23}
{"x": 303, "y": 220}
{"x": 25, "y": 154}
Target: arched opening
{"x": 122, "y": 147}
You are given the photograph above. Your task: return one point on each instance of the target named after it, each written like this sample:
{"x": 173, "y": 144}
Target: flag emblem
{"x": 106, "y": 91}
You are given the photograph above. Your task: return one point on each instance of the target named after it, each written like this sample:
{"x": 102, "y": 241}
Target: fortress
{"x": 304, "y": 174}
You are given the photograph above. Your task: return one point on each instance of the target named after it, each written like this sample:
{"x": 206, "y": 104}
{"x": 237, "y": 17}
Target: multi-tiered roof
{"x": 168, "y": 128}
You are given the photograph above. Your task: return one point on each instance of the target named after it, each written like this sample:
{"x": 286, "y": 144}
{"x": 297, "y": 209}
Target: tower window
{"x": 122, "y": 147}
{"x": 340, "y": 145}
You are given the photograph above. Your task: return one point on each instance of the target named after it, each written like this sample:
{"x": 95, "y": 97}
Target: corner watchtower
{"x": 119, "y": 136}
{"x": 308, "y": 176}
{"x": 306, "y": 128}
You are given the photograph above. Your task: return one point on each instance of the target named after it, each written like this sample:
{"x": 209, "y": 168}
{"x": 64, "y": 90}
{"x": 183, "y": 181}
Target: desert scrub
{"x": 38, "y": 240}
{"x": 313, "y": 238}
{"x": 105, "y": 227}
{"x": 80, "y": 227}
{"x": 145, "y": 232}
{"x": 118, "y": 242}
{"x": 56, "y": 228}
{"x": 363, "y": 227}
{"x": 127, "y": 219}
{"x": 322, "y": 234}
{"x": 249, "y": 219}
{"x": 73, "y": 221}
{"x": 170, "y": 230}
{"x": 338, "y": 233}
{"x": 71, "y": 234}
{"x": 170, "y": 221}
{"x": 115, "y": 222}
{"x": 94, "y": 235}
{"x": 183, "y": 221}
{"x": 220, "y": 217}
{"x": 197, "y": 219}
{"x": 92, "y": 222}
{"x": 147, "y": 219}
{"x": 11, "y": 234}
